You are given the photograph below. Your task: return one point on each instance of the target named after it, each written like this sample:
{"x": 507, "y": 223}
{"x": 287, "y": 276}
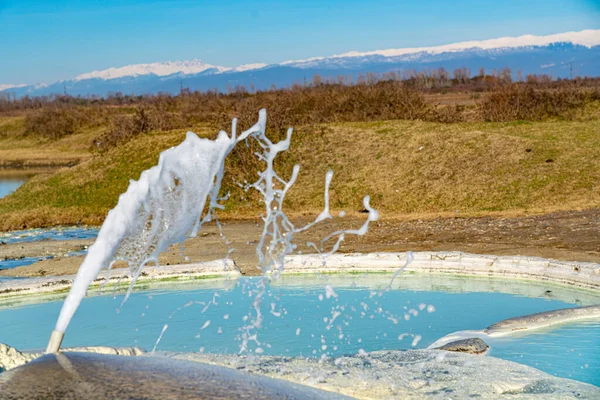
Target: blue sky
{"x": 49, "y": 40}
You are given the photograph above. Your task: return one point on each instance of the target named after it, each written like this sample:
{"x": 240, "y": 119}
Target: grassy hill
{"x": 408, "y": 167}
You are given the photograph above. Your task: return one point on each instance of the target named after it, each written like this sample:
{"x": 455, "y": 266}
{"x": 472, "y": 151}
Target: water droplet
{"x": 416, "y": 340}
{"x": 329, "y": 292}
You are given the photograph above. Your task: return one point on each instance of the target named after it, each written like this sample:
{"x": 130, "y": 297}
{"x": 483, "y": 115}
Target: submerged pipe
{"x": 55, "y": 341}
{"x": 524, "y": 324}
{"x": 542, "y": 320}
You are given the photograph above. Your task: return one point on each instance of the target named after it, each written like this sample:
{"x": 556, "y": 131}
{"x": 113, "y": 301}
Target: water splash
{"x": 276, "y": 241}
{"x": 165, "y": 206}
{"x": 164, "y": 329}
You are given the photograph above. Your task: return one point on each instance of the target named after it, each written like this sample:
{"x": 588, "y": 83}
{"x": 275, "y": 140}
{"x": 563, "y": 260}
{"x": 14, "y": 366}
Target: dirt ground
{"x": 569, "y": 236}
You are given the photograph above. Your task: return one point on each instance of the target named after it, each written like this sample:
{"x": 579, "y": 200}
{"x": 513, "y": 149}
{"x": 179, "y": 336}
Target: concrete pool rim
{"x": 583, "y": 276}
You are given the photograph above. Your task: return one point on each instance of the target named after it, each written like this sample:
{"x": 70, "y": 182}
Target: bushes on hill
{"x": 373, "y": 98}
{"x": 54, "y": 123}
{"x": 522, "y": 102}
{"x": 124, "y": 127}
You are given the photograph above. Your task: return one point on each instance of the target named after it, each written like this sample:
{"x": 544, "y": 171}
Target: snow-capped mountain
{"x": 559, "y": 55}
{"x": 158, "y": 69}
{"x": 247, "y": 67}
{"x": 587, "y": 38}
{"x": 168, "y": 68}
{"x": 11, "y": 86}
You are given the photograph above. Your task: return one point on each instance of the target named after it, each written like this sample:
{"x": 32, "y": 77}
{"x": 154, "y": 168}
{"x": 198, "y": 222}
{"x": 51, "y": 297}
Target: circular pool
{"x": 322, "y": 316}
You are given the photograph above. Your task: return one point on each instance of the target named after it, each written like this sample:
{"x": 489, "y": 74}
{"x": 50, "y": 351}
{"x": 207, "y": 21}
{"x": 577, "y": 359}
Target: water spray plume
{"x": 276, "y": 241}
{"x": 166, "y": 206}
{"x": 163, "y": 207}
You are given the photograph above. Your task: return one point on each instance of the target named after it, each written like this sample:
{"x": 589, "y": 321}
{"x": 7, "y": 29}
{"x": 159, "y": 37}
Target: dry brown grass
{"x": 22, "y": 151}
{"x": 417, "y": 167}
{"x": 414, "y": 157}
{"x": 410, "y": 168}
{"x": 121, "y": 119}
{"x": 85, "y": 192}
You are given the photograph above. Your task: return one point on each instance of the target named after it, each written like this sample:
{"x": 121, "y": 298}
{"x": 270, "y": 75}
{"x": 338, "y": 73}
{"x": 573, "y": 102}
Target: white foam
{"x": 166, "y": 206}
{"x": 163, "y": 207}
{"x": 276, "y": 241}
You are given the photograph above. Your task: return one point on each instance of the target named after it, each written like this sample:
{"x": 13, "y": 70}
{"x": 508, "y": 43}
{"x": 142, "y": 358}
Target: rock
{"x": 117, "y": 351}
{"x": 410, "y": 375}
{"x": 99, "y": 376}
{"x": 11, "y": 358}
{"x": 471, "y": 346}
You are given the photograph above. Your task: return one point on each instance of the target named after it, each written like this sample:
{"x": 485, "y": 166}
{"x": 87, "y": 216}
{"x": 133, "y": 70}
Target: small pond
{"x": 304, "y": 317}
{"x": 10, "y": 184}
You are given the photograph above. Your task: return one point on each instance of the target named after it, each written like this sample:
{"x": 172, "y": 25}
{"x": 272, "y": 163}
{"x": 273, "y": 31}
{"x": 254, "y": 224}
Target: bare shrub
{"x": 54, "y": 123}
{"x": 122, "y": 129}
{"x": 523, "y": 102}
{"x": 320, "y": 104}
{"x": 449, "y": 114}
{"x": 374, "y": 96}
{"x": 125, "y": 127}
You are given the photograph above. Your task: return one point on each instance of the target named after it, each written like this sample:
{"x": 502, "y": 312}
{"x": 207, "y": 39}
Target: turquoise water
{"x": 298, "y": 319}
{"x": 570, "y": 351}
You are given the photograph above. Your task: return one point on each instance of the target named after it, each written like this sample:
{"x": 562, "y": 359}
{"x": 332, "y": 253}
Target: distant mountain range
{"x": 560, "y": 55}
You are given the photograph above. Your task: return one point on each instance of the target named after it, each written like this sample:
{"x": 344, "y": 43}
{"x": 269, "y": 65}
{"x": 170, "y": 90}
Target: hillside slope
{"x": 408, "y": 167}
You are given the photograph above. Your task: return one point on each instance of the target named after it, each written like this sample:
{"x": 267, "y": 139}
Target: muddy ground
{"x": 569, "y": 236}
